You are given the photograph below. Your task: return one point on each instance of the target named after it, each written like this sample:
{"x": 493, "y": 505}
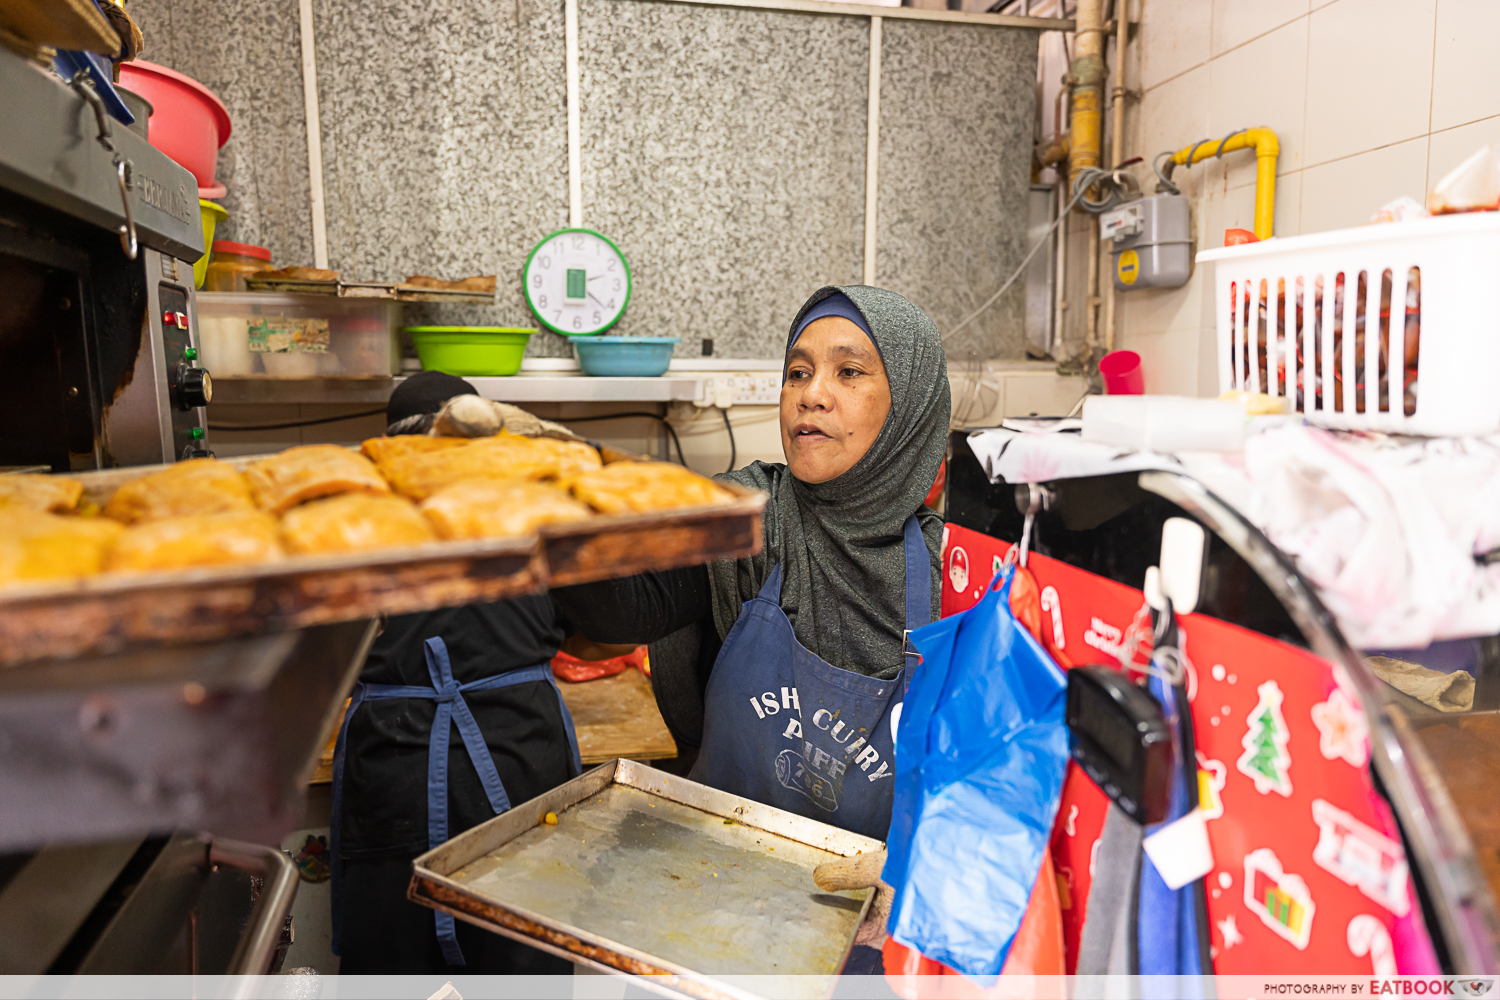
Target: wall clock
{"x": 577, "y": 282}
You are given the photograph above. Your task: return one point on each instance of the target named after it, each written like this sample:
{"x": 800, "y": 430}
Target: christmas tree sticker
{"x": 1265, "y": 760}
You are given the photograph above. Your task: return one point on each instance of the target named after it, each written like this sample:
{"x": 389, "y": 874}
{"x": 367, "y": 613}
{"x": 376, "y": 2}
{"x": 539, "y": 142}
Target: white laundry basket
{"x": 1292, "y": 316}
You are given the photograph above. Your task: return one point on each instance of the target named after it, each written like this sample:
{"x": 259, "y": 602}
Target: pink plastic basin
{"x": 189, "y": 123}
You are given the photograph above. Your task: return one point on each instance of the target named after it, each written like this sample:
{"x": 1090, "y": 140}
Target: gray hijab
{"x": 839, "y": 543}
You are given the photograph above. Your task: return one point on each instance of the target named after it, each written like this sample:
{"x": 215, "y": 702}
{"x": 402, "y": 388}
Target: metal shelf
{"x": 514, "y": 389}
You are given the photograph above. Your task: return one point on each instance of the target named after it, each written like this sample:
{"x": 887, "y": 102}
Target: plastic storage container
{"x": 232, "y": 263}
{"x": 297, "y": 336}
{"x": 637, "y": 356}
{"x": 470, "y": 350}
{"x": 1390, "y": 327}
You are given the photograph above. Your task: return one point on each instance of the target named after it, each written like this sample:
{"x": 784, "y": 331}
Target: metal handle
{"x": 128, "y": 242}
{"x": 263, "y": 928}
{"x": 123, "y": 169}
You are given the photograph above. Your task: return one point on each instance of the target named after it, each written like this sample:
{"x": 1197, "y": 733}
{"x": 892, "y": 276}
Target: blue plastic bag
{"x": 981, "y": 752}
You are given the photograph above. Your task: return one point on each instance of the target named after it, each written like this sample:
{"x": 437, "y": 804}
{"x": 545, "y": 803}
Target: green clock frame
{"x": 526, "y": 292}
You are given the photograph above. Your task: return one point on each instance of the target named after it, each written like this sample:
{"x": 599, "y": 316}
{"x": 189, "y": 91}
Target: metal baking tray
{"x": 108, "y": 613}
{"x": 369, "y": 290}
{"x": 649, "y": 874}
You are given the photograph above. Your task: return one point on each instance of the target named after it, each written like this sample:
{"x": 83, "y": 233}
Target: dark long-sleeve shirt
{"x": 670, "y": 611}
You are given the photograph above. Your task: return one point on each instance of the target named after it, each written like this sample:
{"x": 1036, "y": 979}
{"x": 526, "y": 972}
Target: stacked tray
{"x": 106, "y": 613}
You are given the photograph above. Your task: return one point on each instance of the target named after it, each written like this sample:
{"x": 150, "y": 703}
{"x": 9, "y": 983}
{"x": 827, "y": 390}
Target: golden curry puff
{"x": 35, "y": 545}
{"x": 636, "y": 487}
{"x": 297, "y": 475}
{"x": 499, "y": 508}
{"x": 234, "y": 538}
{"x": 58, "y": 494}
{"x": 385, "y": 450}
{"x": 353, "y": 522}
{"x": 196, "y": 486}
{"x": 419, "y": 475}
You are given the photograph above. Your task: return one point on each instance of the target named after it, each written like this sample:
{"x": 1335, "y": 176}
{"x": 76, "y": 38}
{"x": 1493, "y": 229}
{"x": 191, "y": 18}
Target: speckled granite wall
{"x": 955, "y": 165}
{"x": 249, "y": 54}
{"x": 723, "y": 151}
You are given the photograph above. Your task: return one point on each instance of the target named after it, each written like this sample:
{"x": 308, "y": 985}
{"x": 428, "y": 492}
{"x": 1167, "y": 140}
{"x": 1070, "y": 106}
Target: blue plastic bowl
{"x": 637, "y": 356}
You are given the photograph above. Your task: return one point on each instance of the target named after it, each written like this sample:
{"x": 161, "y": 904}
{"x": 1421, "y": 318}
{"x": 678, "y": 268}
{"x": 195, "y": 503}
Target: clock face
{"x": 577, "y": 282}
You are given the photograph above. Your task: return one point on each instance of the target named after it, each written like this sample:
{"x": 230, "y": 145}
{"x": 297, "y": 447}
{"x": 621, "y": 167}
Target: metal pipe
{"x": 1085, "y": 122}
{"x": 872, "y": 152}
{"x": 1117, "y": 149}
{"x": 1267, "y": 149}
{"x": 316, "y": 198}
{"x": 575, "y": 128}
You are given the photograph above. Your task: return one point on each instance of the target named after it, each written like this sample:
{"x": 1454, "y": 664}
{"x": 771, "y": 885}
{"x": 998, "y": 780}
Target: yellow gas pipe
{"x": 1263, "y": 141}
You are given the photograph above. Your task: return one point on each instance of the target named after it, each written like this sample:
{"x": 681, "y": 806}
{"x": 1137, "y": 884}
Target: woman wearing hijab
{"x": 788, "y": 668}
{"x": 455, "y": 719}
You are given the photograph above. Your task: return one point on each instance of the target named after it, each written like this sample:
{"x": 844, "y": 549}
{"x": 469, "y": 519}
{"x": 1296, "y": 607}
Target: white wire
{"x": 1012, "y": 279}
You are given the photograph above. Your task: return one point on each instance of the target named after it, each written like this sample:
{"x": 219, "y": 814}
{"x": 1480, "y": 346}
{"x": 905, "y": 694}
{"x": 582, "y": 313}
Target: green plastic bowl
{"x": 470, "y": 350}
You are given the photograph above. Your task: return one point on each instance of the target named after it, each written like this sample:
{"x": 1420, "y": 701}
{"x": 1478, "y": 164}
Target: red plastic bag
{"x": 574, "y": 670}
{"x": 1037, "y": 951}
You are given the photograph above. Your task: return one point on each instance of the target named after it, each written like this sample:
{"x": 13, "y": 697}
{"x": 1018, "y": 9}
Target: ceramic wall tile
{"x": 1239, "y": 21}
{"x": 1263, "y": 82}
{"x": 1455, "y": 145}
{"x": 1369, "y": 81}
{"x": 249, "y": 55}
{"x": 724, "y": 152}
{"x": 953, "y": 191}
{"x": 1177, "y": 40}
{"x": 1174, "y": 114}
{"x": 1464, "y": 86}
{"x": 1347, "y": 192}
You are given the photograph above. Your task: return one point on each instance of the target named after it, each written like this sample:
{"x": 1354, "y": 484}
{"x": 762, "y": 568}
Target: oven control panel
{"x": 189, "y": 386}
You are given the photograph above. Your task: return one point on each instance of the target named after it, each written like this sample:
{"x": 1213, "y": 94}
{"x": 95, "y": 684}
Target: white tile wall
{"x": 1263, "y": 82}
{"x": 1370, "y": 100}
{"x": 1369, "y": 75}
{"x": 1180, "y": 38}
{"x": 1465, "y": 87}
{"x": 1347, "y": 192}
{"x": 1236, "y": 22}
{"x": 1454, "y": 146}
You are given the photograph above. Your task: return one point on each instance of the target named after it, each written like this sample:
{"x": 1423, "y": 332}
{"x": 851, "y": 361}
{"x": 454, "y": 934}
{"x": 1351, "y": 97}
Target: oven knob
{"x": 196, "y": 388}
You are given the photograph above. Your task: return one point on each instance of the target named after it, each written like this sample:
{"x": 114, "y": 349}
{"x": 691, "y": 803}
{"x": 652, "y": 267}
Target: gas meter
{"x": 1152, "y": 241}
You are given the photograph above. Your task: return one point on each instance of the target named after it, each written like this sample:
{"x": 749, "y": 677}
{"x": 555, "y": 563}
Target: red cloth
{"x": 574, "y": 670}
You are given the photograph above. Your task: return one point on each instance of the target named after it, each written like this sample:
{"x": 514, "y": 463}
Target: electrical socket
{"x": 757, "y": 390}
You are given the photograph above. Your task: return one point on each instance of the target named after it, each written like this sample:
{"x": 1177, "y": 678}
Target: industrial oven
{"x": 103, "y": 757}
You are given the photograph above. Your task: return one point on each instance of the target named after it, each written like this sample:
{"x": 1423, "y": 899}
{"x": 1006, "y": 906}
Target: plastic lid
{"x": 244, "y": 249}
{"x": 1239, "y": 237}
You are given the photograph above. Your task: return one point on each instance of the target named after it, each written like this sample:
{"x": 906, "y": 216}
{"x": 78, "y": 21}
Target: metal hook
{"x": 1037, "y": 497}
{"x": 123, "y": 168}
{"x": 128, "y": 242}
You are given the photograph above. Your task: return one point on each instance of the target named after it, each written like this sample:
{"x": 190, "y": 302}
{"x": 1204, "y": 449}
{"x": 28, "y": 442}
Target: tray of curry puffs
{"x": 204, "y": 549}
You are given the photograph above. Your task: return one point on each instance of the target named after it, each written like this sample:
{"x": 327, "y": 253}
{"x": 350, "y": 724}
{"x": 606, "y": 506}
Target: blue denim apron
{"x": 785, "y": 727}
{"x": 451, "y": 710}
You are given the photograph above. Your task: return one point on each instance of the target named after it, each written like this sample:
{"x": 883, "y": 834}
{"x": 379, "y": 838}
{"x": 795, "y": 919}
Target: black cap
{"x": 425, "y": 392}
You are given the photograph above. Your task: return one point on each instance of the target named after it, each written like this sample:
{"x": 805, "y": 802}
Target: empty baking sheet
{"x": 653, "y": 874}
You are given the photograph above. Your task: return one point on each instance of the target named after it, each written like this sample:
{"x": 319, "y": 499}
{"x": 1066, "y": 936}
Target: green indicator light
{"x": 578, "y": 283}
{"x": 191, "y": 354}
{"x": 196, "y": 433}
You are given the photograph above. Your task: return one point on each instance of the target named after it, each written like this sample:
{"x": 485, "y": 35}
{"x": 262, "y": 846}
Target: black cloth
{"x": 671, "y": 612}
{"x": 387, "y": 934}
{"x": 385, "y": 766}
{"x": 425, "y": 392}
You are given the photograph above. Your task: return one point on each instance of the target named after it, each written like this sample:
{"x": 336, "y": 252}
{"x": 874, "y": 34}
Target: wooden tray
{"x": 104, "y": 614}
{"x": 646, "y": 873}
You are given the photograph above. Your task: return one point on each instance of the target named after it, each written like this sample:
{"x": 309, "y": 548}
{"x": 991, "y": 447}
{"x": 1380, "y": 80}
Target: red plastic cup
{"x": 1122, "y": 373}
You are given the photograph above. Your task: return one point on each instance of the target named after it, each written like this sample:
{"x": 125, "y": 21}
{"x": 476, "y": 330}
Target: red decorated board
{"x": 1309, "y": 876}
